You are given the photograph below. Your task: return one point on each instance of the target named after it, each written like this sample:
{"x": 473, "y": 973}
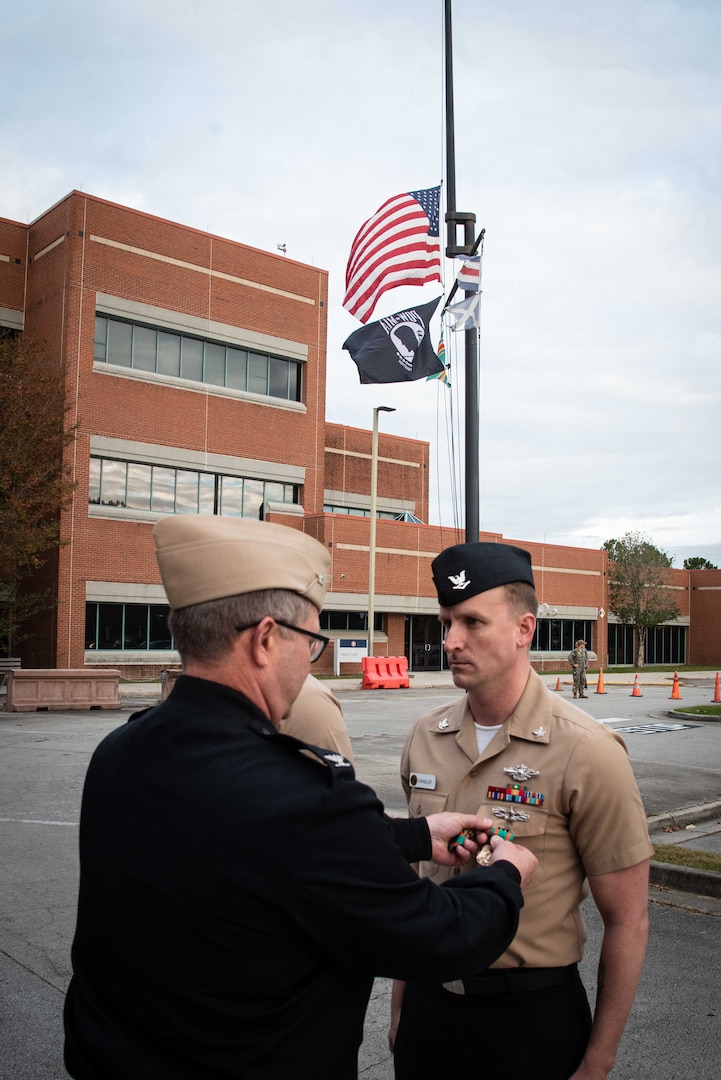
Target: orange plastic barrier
{"x": 385, "y": 673}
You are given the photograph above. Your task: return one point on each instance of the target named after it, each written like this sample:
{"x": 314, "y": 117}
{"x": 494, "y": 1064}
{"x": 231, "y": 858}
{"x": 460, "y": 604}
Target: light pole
{"x": 372, "y": 543}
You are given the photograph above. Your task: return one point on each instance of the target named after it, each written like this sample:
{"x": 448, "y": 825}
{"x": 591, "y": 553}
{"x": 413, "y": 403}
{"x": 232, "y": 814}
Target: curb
{"x": 685, "y": 878}
{"x": 686, "y": 815}
{"x": 700, "y": 718}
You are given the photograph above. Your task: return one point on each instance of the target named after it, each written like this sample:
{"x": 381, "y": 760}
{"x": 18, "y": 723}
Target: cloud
{"x": 588, "y": 142}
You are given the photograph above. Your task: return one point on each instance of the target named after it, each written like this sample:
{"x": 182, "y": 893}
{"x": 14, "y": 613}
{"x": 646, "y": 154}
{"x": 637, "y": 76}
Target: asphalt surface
{"x": 675, "y": 1030}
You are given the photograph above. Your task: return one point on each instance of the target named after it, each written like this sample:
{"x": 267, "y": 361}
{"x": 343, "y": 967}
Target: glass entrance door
{"x": 424, "y": 647}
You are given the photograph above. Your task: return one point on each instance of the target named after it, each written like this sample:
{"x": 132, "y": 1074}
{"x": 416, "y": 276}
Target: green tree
{"x": 35, "y": 484}
{"x": 639, "y": 587}
{"x": 697, "y": 562}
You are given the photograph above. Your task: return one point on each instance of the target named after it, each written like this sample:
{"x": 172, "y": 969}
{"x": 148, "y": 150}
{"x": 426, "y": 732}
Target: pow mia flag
{"x": 397, "y": 348}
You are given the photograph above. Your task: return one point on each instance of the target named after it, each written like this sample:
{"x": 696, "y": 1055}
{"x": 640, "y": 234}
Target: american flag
{"x": 399, "y": 245}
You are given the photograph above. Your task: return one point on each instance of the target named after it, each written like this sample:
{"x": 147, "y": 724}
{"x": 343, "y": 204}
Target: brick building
{"x": 197, "y": 370}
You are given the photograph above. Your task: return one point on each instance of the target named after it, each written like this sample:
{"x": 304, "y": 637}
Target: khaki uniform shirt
{"x": 316, "y": 717}
{"x": 585, "y": 815}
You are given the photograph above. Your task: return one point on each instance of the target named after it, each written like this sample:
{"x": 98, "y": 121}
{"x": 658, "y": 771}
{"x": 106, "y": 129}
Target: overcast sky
{"x": 588, "y": 144}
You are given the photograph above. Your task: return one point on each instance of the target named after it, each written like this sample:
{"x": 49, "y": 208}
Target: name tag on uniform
{"x": 423, "y": 780}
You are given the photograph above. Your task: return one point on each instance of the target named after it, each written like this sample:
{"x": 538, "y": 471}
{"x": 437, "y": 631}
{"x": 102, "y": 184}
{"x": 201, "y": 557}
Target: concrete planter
{"x": 168, "y": 679}
{"x": 37, "y": 689}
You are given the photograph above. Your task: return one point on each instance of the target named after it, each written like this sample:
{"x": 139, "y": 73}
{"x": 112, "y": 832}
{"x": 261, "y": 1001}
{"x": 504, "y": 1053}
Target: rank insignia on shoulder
{"x": 337, "y": 760}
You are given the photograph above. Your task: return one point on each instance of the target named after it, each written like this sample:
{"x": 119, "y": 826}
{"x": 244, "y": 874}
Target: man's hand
{"x": 450, "y": 829}
{"x": 523, "y": 859}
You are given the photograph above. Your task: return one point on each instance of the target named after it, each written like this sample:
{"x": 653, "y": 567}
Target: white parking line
{"x": 38, "y": 821}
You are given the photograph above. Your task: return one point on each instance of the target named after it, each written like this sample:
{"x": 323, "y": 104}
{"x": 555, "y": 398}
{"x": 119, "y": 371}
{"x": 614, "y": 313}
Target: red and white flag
{"x": 468, "y": 272}
{"x": 399, "y": 245}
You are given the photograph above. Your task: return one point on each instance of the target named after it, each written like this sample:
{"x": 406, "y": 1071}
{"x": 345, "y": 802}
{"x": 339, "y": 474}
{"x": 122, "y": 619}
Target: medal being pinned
{"x": 483, "y": 858}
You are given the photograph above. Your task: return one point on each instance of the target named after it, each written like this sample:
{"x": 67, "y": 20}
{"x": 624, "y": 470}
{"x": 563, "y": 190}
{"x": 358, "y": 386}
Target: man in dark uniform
{"x": 238, "y": 896}
{"x": 563, "y": 784}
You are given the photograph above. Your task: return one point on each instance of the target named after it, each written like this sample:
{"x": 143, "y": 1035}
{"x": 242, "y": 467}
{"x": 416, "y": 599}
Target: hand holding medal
{"x": 484, "y": 856}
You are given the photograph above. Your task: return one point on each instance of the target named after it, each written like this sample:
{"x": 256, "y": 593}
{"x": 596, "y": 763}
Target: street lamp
{"x": 372, "y": 544}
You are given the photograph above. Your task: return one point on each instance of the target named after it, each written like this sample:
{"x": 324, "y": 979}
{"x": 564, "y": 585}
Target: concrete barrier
{"x": 40, "y": 689}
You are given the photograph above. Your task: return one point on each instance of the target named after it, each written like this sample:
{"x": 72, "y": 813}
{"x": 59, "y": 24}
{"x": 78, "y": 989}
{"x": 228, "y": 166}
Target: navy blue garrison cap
{"x": 468, "y": 569}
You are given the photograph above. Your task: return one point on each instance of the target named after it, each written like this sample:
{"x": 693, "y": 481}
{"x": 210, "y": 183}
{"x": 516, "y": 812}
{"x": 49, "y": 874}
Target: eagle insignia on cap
{"x": 459, "y": 581}
{"x": 320, "y": 579}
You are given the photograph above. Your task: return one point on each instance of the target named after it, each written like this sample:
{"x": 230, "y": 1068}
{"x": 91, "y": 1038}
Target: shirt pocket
{"x": 422, "y": 802}
{"x": 531, "y": 833}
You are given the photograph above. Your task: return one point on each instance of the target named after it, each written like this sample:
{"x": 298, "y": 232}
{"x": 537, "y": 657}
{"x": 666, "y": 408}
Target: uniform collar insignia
{"x": 539, "y": 732}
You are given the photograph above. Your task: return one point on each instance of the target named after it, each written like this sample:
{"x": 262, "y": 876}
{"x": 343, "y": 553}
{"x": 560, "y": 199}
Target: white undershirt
{"x": 484, "y": 735}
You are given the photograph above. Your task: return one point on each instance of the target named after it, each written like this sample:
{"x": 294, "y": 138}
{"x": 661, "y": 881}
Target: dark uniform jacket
{"x": 237, "y": 898}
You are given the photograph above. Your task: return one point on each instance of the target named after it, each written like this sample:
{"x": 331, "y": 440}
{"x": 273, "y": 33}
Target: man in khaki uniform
{"x": 316, "y": 717}
{"x": 563, "y": 785}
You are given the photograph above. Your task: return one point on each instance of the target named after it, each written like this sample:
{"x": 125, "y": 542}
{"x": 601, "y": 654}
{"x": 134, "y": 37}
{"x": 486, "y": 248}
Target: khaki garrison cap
{"x": 204, "y": 557}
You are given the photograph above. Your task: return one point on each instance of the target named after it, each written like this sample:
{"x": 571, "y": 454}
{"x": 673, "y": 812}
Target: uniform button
{"x": 473, "y": 772}
{"x": 456, "y": 870}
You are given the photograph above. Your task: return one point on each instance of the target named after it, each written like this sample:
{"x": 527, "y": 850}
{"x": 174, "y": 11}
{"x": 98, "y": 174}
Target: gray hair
{"x": 206, "y": 632}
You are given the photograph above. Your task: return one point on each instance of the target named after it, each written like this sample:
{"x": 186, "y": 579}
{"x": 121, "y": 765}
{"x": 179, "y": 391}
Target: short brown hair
{"x": 521, "y": 598}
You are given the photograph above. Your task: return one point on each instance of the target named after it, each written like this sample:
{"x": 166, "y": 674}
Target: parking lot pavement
{"x": 673, "y": 1032}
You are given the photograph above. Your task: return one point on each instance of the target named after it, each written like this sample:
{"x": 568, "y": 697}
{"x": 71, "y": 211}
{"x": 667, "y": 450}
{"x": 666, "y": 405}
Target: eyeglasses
{"x": 317, "y": 643}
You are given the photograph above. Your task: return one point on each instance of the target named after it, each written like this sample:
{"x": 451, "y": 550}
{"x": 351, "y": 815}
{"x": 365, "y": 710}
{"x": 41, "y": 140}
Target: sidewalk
{"x": 697, "y": 826}
{"x": 433, "y": 680}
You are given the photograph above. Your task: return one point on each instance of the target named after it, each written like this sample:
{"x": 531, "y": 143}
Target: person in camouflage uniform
{"x": 578, "y": 659}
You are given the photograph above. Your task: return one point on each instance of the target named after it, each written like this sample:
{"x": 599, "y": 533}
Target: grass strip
{"x": 683, "y": 856}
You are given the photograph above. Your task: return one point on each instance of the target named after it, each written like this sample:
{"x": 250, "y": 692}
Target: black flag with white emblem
{"x": 397, "y": 348}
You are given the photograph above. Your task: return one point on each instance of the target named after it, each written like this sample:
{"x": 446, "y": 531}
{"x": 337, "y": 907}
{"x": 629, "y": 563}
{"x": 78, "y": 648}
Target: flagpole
{"x": 373, "y": 516}
{"x": 455, "y": 218}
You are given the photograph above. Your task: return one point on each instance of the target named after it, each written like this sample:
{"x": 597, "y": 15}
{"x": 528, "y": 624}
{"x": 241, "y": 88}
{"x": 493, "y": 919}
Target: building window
{"x": 664, "y": 645}
{"x": 356, "y": 511}
{"x": 350, "y": 620}
{"x": 127, "y": 626}
{"x": 561, "y": 635}
{"x": 181, "y": 356}
{"x": 137, "y": 486}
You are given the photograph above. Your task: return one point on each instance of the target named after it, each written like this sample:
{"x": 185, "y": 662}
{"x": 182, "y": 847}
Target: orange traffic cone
{"x": 717, "y": 690}
{"x": 558, "y": 683}
{"x": 676, "y": 691}
{"x": 599, "y": 684}
{"x": 636, "y": 692}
